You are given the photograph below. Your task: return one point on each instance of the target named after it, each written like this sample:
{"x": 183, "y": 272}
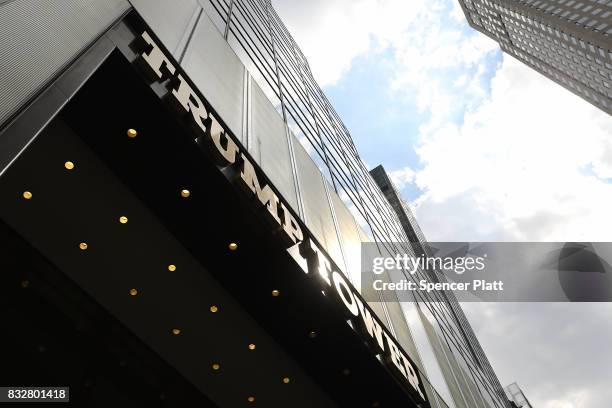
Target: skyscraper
{"x": 568, "y": 41}
{"x": 467, "y": 363}
{"x": 182, "y": 212}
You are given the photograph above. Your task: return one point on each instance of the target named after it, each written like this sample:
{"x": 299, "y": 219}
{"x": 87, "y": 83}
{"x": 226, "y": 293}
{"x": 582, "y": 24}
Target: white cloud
{"x": 576, "y": 399}
{"x": 518, "y": 163}
{"x": 427, "y": 50}
{"x": 525, "y": 161}
{"x": 401, "y": 177}
{"x": 509, "y": 156}
{"x": 558, "y": 353}
{"x": 461, "y": 81}
{"x": 332, "y": 33}
{"x": 457, "y": 13}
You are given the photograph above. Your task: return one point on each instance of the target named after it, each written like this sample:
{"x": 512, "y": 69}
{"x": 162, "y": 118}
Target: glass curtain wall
{"x": 264, "y": 45}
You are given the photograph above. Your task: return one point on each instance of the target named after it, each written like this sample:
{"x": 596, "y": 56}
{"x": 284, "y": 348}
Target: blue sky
{"x": 363, "y": 89}
{"x": 484, "y": 149}
{"x": 389, "y": 132}
{"x": 482, "y": 146}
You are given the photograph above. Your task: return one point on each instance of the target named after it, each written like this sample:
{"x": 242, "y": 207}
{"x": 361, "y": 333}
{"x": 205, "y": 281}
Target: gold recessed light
{"x": 216, "y": 366}
{"x": 275, "y": 293}
{"x": 233, "y": 246}
{"x": 132, "y": 133}
{"x": 172, "y": 268}
{"x": 27, "y": 195}
{"x": 286, "y": 380}
{"x": 69, "y": 165}
{"x": 251, "y": 346}
{"x": 214, "y": 309}
{"x": 83, "y": 245}
{"x": 251, "y": 399}
{"x": 25, "y": 284}
{"x": 123, "y": 219}
{"x": 185, "y": 193}
{"x": 176, "y": 332}
{"x": 133, "y": 292}
{"x": 312, "y": 334}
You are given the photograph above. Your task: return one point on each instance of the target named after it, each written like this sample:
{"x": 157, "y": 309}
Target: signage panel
{"x": 227, "y": 153}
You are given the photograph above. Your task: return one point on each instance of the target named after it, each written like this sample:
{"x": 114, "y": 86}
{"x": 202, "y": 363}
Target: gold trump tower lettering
{"x": 226, "y": 152}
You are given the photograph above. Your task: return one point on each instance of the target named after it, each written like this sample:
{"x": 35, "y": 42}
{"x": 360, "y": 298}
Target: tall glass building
{"x": 462, "y": 362}
{"x": 182, "y": 212}
{"x": 568, "y": 41}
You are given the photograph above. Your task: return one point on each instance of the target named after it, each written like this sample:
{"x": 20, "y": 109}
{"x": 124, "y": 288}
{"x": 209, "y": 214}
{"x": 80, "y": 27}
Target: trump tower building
{"x": 181, "y": 215}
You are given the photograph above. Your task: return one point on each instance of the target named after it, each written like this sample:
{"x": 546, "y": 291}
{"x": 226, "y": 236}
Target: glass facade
{"x": 274, "y": 61}
{"x": 568, "y": 41}
{"x": 257, "y": 35}
{"x": 456, "y": 363}
{"x": 239, "y": 54}
{"x": 331, "y": 180}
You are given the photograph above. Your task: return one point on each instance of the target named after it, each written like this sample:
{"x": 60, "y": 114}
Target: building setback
{"x": 182, "y": 213}
{"x": 517, "y": 396}
{"x": 568, "y": 41}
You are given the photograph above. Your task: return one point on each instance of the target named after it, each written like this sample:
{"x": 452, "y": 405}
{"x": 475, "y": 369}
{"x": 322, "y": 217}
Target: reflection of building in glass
{"x": 569, "y": 42}
{"x": 73, "y": 96}
{"x": 516, "y": 395}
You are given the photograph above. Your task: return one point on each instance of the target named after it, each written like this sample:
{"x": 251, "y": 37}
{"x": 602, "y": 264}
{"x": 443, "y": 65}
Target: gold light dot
{"x": 25, "y": 284}
{"x": 133, "y": 292}
{"x": 83, "y": 245}
{"x": 251, "y": 346}
{"x": 233, "y": 246}
{"x": 172, "y": 268}
{"x": 312, "y": 334}
{"x": 286, "y": 380}
{"x": 176, "y": 332}
{"x": 123, "y": 219}
{"x": 132, "y": 133}
{"x": 27, "y": 195}
{"x": 216, "y": 366}
{"x": 185, "y": 193}
{"x": 275, "y": 293}
{"x": 251, "y": 399}
{"x": 214, "y": 309}
{"x": 69, "y": 165}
